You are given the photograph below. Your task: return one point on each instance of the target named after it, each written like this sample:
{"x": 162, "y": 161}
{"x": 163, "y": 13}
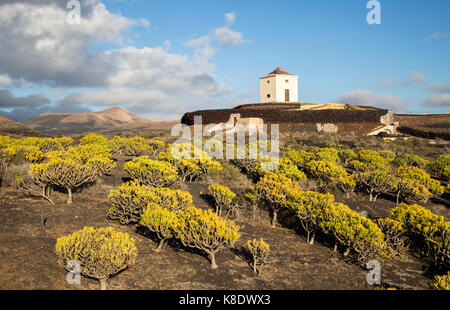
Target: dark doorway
{"x": 286, "y": 95}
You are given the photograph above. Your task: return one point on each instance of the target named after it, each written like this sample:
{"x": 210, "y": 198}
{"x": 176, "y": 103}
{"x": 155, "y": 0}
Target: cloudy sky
{"x": 160, "y": 59}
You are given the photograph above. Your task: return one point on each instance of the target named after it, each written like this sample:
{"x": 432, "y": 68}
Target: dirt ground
{"x": 30, "y": 226}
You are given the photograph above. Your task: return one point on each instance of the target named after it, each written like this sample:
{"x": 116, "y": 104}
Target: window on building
{"x": 268, "y": 95}
{"x": 268, "y": 81}
{"x": 287, "y": 81}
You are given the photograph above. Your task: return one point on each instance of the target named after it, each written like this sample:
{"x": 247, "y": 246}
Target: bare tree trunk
{"x": 347, "y": 251}
{"x": 103, "y": 284}
{"x": 69, "y": 191}
{"x": 274, "y": 219}
{"x": 161, "y": 244}
{"x": 398, "y": 196}
{"x": 313, "y": 236}
{"x": 212, "y": 257}
{"x": 254, "y": 267}
{"x": 335, "y": 248}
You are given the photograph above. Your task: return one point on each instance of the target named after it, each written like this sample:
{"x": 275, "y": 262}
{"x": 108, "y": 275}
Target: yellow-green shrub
{"x": 223, "y": 197}
{"x": 326, "y": 172}
{"x": 357, "y": 234}
{"x": 66, "y": 173}
{"x": 100, "y": 252}
{"x": 207, "y": 231}
{"x": 259, "y": 250}
{"x": 131, "y": 199}
{"x": 151, "y": 172}
{"x": 274, "y": 189}
{"x": 162, "y": 221}
{"x": 416, "y": 184}
{"x": 309, "y": 207}
{"x": 427, "y": 231}
{"x": 376, "y": 182}
{"x": 442, "y": 282}
{"x": 394, "y": 234}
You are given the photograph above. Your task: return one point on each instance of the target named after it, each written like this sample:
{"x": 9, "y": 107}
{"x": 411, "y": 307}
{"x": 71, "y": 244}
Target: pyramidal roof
{"x": 278, "y": 70}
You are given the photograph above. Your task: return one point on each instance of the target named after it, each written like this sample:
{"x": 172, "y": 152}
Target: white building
{"x": 279, "y": 86}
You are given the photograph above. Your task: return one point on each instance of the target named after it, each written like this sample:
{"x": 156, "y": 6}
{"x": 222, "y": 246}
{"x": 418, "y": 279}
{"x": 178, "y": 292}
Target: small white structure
{"x": 279, "y": 86}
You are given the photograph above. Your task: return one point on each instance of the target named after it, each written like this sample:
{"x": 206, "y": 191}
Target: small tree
{"x": 441, "y": 167}
{"x": 259, "y": 251}
{"x": 394, "y": 233}
{"x": 206, "y": 231}
{"x": 411, "y": 160}
{"x": 273, "y": 189}
{"x": 163, "y": 222}
{"x": 347, "y": 155}
{"x": 131, "y": 199}
{"x": 66, "y": 173}
{"x": 376, "y": 182}
{"x": 347, "y": 184}
{"x": 325, "y": 172}
{"x": 309, "y": 207}
{"x": 417, "y": 185}
{"x": 151, "y": 172}
{"x": 356, "y": 233}
{"x": 223, "y": 197}
{"x": 101, "y": 252}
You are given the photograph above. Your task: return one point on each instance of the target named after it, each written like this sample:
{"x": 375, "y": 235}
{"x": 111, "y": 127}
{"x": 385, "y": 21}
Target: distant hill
{"x": 108, "y": 121}
{"x": 11, "y": 128}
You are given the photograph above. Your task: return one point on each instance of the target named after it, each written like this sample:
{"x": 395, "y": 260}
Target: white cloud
{"x": 439, "y": 87}
{"x": 39, "y": 47}
{"x": 367, "y": 98}
{"x": 221, "y": 37}
{"x": 439, "y": 100}
{"x": 413, "y": 78}
{"x": 230, "y": 18}
{"x": 436, "y": 36}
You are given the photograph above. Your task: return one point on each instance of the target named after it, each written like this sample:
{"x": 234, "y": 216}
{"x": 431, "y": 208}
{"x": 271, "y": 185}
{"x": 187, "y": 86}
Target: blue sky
{"x": 162, "y": 58}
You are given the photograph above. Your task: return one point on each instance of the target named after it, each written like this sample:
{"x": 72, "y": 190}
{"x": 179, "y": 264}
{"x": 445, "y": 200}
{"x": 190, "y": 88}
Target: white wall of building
{"x": 275, "y": 86}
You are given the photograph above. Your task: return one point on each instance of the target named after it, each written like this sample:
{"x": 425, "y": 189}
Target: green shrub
{"x": 325, "y": 172}
{"x": 101, "y": 252}
{"x": 206, "y": 231}
{"x": 162, "y": 221}
{"x": 259, "y": 250}
{"x": 223, "y": 197}
{"x": 131, "y": 199}
{"x": 376, "y": 182}
{"x": 151, "y": 172}
{"x": 426, "y": 230}
{"x": 357, "y": 234}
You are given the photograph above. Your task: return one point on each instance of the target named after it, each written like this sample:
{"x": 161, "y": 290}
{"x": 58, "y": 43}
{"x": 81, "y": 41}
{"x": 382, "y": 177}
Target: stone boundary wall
{"x": 286, "y": 116}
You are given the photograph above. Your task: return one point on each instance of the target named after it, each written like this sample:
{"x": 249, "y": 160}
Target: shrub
{"x": 66, "y": 173}
{"x": 325, "y": 172}
{"x": 299, "y": 158}
{"x": 417, "y": 185}
{"x": 192, "y": 162}
{"x": 347, "y": 155}
{"x": 206, "y": 231}
{"x": 441, "y": 167}
{"x": 326, "y": 154}
{"x": 411, "y": 160}
{"x": 151, "y": 172}
{"x": 223, "y": 197}
{"x": 347, "y": 184}
{"x": 131, "y": 199}
{"x": 285, "y": 167}
{"x": 163, "y": 222}
{"x": 394, "y": 234}
{"x": 101, "y": 252}
{"x": 309, "y": 207}
{"x": 428, "y": 231}
{"x": 376, "y": 182}
{"x": 369, "y": 160}
{"x": 259, "y": 251}
{"x": 273, "y": 190}
{"x": 356, "y": 233}
{"x": 442, "y": 282}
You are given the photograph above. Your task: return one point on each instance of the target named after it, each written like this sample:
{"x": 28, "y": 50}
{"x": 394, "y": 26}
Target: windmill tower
{"x": 279, "y": 86}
